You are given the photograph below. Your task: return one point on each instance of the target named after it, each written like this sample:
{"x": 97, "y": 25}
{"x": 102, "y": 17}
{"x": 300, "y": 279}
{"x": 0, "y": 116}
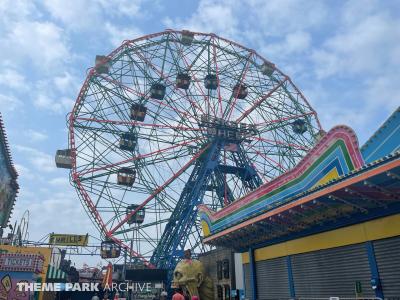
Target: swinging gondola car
{"x": 110, "y": 249}
{"x": 183, "y": 81}
{"x": 138, "y": 217}
{"x": 128, "y": 141}
{"x": 240, "y": 91}
{"x": 63, "y": 159}
{"x": 157, "y": 91}
{"x": 267, "y": 68}
{"x": 299, "y": 126}
{"x": 211, "y": 82}
{"x": 126, "y": 176}
{"x": 138, "y": 112}
{"x": 102, "y": 64}
{"x": 187, "y": 37}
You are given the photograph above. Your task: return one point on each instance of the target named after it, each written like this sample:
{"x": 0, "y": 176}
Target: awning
{"x": 55, "y": 274}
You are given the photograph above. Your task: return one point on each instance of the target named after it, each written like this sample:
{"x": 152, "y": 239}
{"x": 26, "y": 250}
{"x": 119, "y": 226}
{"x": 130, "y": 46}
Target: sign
{"x": 218, "y": 127}
{"x": 22, "y": 276}
{"x": 19, "y": 262}
{"x": 68, "y": 239}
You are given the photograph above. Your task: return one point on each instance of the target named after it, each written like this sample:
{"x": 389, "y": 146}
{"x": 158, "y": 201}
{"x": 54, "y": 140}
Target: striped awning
{"x": 54, "y": 273}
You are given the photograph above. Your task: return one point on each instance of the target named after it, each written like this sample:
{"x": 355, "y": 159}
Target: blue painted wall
{"x": 385, "y": 140}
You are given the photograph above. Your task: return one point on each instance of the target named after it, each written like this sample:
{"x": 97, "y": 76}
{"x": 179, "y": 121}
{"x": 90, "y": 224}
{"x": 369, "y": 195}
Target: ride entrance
{"x": 174, "y": 119}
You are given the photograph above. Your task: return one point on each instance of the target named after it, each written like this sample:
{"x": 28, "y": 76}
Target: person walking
{"x": 178, "y": 295}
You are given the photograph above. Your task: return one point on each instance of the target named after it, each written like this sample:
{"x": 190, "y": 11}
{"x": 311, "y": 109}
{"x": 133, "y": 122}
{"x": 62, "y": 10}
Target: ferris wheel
{"x": 174, "y": 119}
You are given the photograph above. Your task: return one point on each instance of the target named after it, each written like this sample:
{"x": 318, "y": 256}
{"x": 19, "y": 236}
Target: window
{"x": 225, "y": 268}
{"x": 219, "y": 270}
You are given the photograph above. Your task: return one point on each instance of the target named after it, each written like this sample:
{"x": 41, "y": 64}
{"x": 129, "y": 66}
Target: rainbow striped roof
{"x": 335, "y": 155}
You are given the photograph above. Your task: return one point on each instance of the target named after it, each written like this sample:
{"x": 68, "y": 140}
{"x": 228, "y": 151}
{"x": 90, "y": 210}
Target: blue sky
{"x": 343, "y": 55}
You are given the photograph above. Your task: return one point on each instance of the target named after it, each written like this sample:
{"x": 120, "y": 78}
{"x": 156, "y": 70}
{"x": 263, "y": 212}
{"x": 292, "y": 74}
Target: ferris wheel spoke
{"x": 284, "y": 119}
{"x": 268, "y": 158}
{"x": 260, "y": 101}
{"x": 131, "y": 251}
{"x": 162, "y": 187}
{"x": 217, "y": 74}
{"x": 162, "y": 75}
{"x": 130, "y": 90}
{"x": 138, "y": 157}
{"x": 176, "y": 89}
{"x": 230, "y": 108}
{"x": 133, "y": 123}
{"x": 189, "y": 69}
{"x": 279, "y": 143}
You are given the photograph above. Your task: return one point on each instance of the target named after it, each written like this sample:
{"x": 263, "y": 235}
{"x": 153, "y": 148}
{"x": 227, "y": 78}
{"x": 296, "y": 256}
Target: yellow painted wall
{"x": 46, "y": 252}
{"x": 368, "y": 231}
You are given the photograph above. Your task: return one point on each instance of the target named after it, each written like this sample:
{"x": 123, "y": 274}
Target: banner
{"x": 68, "y": 239}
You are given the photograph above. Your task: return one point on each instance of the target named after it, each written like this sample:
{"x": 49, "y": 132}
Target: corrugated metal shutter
{"x": 272, "y": 279}
{"x": 387, "y": 254}
{"x": 247, "y": 283}
{"x": 332, "y": 272}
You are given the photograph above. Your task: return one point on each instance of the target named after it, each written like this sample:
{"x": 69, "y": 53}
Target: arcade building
{"x": 330, "y": 227}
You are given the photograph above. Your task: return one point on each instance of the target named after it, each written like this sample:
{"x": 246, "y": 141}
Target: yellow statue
{"x": 189, "y": 275}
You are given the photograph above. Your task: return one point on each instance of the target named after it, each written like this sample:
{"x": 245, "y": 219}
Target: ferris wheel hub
{"x": 218, "y": 128}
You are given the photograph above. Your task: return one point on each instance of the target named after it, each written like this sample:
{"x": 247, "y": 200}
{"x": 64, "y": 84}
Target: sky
{"x": 343, "y": 55}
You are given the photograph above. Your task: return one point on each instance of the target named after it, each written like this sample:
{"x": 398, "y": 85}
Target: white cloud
{"x": 294, "y": 43}
{"x": 41, "y": 44}
{"x": 75, "y": 14}
{"x": 66, "y": 83}
{"x": 277, "y": 17}
{"x": 254, "y": 20}
{"x": 210, "y": 16}
{"x": 118, "y": 35}
{"x": 42, "y": 161}
{"x": 56, "y": 104}
{"x": 9, "y": 103}
{"x": 383, "y": 92}
{"x": 362, "y": 56}
{"x": 11, "y": 10}
{"x": 366, "y": 48}
{"x": 124, "y": 8}
{"x": 13, "y": 79}
{"x": 24, "y": 172}
{"x": 78, "y": 15}
{"x": 60, "y": 181}
{"x": 59, "y": 212}
{"x": 36, "y": 136}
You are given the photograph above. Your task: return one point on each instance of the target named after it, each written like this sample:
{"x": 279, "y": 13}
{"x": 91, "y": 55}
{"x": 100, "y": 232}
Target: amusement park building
{"x": 330, "y": 227}
{"x": 8, "y": 180}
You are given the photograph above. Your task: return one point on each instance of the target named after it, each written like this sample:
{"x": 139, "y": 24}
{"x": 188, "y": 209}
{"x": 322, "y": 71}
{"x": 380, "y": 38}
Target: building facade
{"x": 8, "y": 180}
{"x": 330, "y": 227}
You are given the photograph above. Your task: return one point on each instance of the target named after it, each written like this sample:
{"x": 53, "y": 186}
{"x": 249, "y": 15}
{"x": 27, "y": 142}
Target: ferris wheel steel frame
{"x": 208, "y": 171}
